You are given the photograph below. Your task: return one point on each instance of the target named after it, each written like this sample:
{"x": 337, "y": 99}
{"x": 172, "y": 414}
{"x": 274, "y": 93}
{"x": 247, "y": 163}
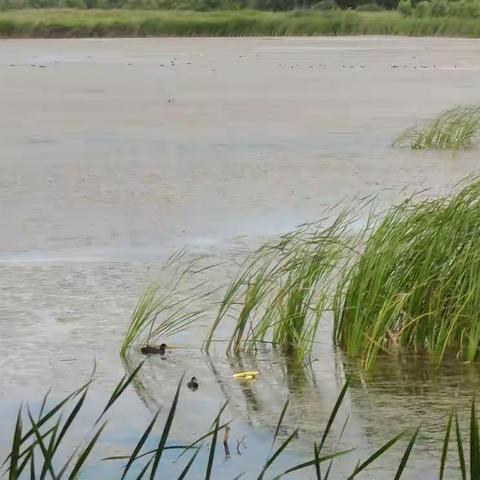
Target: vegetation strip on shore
{"x": 64, "y": 23}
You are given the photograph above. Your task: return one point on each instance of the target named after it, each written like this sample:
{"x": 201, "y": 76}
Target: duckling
{"x": 193, "y": 384}
{"x": 149, "y": 350}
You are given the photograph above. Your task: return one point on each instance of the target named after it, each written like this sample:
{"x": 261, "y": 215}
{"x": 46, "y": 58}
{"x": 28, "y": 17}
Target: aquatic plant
{"x": 416, "y": 285}
{"x": 456, "y": 128}
{"x": 281, "y": 293}
{"x": 168, "y": 308}
{"x": 38, "y": 450}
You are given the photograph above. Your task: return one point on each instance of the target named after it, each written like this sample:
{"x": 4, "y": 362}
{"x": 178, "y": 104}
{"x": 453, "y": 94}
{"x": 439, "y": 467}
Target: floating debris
{"x": 246, "y": 375}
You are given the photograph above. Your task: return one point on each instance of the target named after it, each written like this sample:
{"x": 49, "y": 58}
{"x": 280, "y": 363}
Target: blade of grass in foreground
{"x": 84, "y": 455}
{"x": 474, "y": 444}
{"x": 166, "y": 431}
{"x": 406, "y": 455}
{"x": 461, "y": 455}
{"x": 70, "y": 419}
{"x": 144, "y": 469}
{"x": 277, "y": 453}
{"x": 119, "y": 389}
{"x": 316, "y": 453}
{"x": 188, "y": 465}
{"x": 310, "y": 463}
{"x": 280, "y": 420}
{"x": 335, "y": 409}
{"x": 445, "y": 446}
{"x": 342, "y": 431}
{"x": 213, "y": 447}
{"x": 139, "y": 445}
{"x": 46, "y": 452}
{"x": 377, "y": 454}
{"x": 15, "y": 451}
{"x": 47, "y": 417}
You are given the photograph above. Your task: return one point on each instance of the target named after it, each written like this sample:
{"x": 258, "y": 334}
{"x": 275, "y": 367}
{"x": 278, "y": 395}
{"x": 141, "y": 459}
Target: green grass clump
{"x": 281, "y": 293}
{"x": 54, "y": 23}
{"x": 416, "y": 285}
{"x": 454, "y": 129}
{"x": 165, "y": 309}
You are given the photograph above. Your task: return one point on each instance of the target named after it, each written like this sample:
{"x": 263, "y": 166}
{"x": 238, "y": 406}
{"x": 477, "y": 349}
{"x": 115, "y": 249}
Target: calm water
{"x": 120, "y": 152}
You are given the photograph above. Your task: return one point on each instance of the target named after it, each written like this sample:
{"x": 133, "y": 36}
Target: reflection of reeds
{"x": 456, "y": 128}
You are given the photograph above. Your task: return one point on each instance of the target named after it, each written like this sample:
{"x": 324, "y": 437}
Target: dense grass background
{"x": 51, "y": 23}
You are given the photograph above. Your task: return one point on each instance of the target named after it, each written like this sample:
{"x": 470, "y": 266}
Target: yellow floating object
{"x": 246, "y": 375}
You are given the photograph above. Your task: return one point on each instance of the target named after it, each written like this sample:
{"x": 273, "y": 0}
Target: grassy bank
{"x": 51, "y": 23}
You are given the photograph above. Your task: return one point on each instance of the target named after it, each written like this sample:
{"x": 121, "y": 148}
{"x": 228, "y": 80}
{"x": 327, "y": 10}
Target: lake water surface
{"x": 117, "y": 153}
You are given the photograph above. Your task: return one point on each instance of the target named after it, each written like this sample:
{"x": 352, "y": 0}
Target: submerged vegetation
{"x": 456, "y": 128}
{"x": 53, "y": 23}
{"x": 408, "y": 281}
{"x": 38, "y": 444}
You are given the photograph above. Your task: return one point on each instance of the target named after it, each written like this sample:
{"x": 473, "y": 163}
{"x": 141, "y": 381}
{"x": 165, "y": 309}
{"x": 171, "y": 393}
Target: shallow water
{"x": 116, "y": 153}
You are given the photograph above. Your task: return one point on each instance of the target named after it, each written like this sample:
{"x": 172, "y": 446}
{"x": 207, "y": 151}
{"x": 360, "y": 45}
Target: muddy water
{"x": 116, "y": 153}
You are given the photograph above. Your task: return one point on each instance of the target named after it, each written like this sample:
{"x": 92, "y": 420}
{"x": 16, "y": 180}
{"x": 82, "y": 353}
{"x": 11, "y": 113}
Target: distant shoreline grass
{"x": 78, "y": 23}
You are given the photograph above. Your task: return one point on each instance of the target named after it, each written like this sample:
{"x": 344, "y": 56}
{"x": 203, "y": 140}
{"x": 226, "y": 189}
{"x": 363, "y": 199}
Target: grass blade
{"x": 277, "y": 453}
{"x": 406, "y": 455}
{"x": 336, "y": 407}
{"x": 316, "y": 453}
{"x": 461, "y": 454}
{"x": 84, "y": 455}
{"x": 139, "y": 445}
{"x": 188, "y": 465}
{"x": 445, "y": 447}
{"x": 474, "y": 444}
{"x": 311, "y": 463}
{"x": 166, "y": 430}
{"x": 377, "y": 454}
{"x": 280, "y": 421}
{"x": 213, "y": 447}
{"x": 119, "y": 389}
{"x": 15, "y": 451}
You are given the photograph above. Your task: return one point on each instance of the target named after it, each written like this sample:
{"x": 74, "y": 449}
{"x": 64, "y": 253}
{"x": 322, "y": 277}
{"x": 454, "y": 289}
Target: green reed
{"x": 282, "y": 291}
{"x": 454, "y": 129}
{"x": 167, "y": 308}
{"x": 416, "y": 286}
{"x": 407, "y": 281}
